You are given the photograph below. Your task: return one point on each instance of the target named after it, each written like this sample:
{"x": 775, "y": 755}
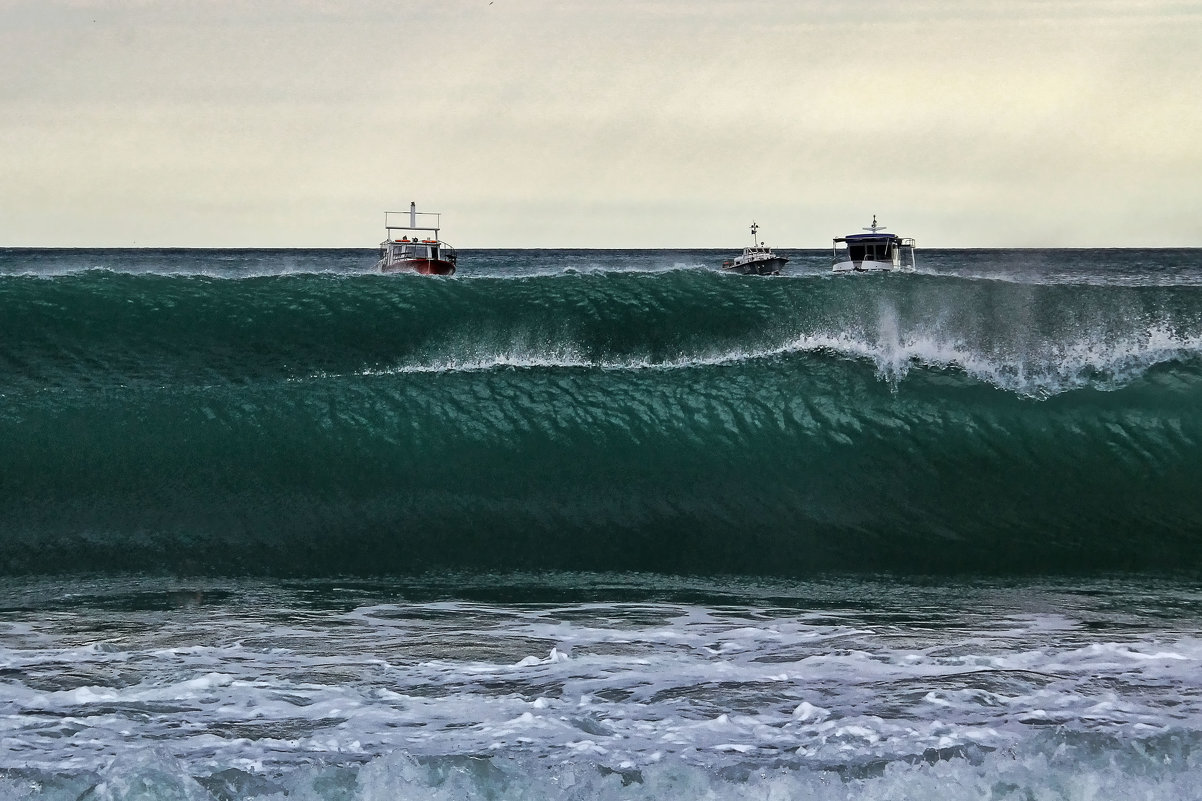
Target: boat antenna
{"x": 754, "y": 228}
{"x": 874, "y": 227}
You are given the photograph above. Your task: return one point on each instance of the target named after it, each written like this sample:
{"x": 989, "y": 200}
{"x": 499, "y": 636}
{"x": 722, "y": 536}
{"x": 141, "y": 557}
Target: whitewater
{"x": 599, "y": 524}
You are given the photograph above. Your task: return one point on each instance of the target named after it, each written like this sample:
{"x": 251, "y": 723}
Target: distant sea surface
{"x": 600, "y": 524}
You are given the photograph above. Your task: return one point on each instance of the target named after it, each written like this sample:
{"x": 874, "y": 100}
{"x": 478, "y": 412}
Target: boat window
{"x": 871, "y": 251}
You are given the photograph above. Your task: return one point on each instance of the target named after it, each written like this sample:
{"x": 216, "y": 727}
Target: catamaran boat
{"x": 415, "y": 248}
{"x": 873, "y": 251}
{"x": 756, "y": 260}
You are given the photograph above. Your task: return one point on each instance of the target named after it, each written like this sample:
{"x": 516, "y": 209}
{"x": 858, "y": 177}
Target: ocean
{"x": 594, "y": 524}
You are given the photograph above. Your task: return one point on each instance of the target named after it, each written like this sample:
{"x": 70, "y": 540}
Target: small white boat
{"x": 872, "y": 252}
{"x": 415, "y": 250}
{"x": 757, "y": 259}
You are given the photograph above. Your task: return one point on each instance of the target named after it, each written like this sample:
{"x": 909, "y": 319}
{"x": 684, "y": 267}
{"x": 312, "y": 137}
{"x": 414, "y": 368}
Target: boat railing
{"x": 412, "y": 221}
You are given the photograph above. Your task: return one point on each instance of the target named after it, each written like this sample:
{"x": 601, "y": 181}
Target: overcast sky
{"x": 606, "y": 123}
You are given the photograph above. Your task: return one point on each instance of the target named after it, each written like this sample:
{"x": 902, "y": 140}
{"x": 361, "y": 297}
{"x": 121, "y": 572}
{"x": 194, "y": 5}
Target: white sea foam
{"x": 701, "y": 686}
{"x": 1049, "y": 369}
{"x": 636, "y": 700}
{"x": 1057, "y": 773}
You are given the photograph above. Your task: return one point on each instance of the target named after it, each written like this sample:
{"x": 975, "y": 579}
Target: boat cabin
{"x": 875, "y": 250}
{"x": 406, "y": 248}
{"x": 872, "y": 247}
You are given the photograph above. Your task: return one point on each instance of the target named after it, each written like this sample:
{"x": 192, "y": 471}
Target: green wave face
{"x": 679, "y": 420}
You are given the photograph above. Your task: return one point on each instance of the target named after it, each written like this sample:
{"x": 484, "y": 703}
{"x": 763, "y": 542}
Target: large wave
{"x": 677, "y": 420}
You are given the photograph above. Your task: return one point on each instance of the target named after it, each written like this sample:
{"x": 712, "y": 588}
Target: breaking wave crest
{"x": 1057, "y": 369}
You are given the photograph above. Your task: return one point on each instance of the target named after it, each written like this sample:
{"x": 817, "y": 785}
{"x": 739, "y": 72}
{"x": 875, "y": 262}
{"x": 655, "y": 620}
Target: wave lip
{"x": 1055, "y": 369}
{"x": 115, "y": 329}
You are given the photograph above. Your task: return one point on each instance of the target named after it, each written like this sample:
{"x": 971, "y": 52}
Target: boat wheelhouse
{"x": 414, "y": 247}
{"x": 873, "y": 251}
{"x": 757, "y": 259}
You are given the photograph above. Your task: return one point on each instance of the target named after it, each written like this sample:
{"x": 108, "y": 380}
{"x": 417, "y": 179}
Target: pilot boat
{"x": 414, "y": 248}
{"x": 875, "y": 251}
{"x": 756, "y": 260}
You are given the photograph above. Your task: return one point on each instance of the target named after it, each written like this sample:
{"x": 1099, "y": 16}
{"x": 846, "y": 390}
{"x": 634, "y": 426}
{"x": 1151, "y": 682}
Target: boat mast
{"x": 754, "y": 228}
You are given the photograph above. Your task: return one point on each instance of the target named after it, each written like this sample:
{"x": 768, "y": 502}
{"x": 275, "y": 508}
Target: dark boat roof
{"x": 864, "y": 237}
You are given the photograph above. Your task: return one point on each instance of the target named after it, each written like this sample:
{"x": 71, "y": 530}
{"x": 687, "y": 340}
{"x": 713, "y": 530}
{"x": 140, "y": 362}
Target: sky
{"x": 600, "y": 123}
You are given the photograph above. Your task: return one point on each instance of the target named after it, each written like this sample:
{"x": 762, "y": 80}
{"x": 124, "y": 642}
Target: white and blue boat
{"x": 875, "y": 251}
{"x": 759, "y": 259}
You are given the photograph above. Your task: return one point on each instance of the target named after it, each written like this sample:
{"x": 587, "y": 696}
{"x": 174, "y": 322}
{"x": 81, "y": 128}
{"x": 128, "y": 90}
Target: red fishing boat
{"x": 415, "y": 248}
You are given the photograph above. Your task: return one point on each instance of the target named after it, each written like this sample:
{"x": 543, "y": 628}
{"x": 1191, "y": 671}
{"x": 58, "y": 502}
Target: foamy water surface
{"x": 826, "y": 689}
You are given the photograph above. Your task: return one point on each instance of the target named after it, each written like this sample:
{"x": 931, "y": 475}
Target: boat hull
{"x": 422, "y": 266}
{"x": 758, "y": 267}
{"x": 865, "y": 266}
